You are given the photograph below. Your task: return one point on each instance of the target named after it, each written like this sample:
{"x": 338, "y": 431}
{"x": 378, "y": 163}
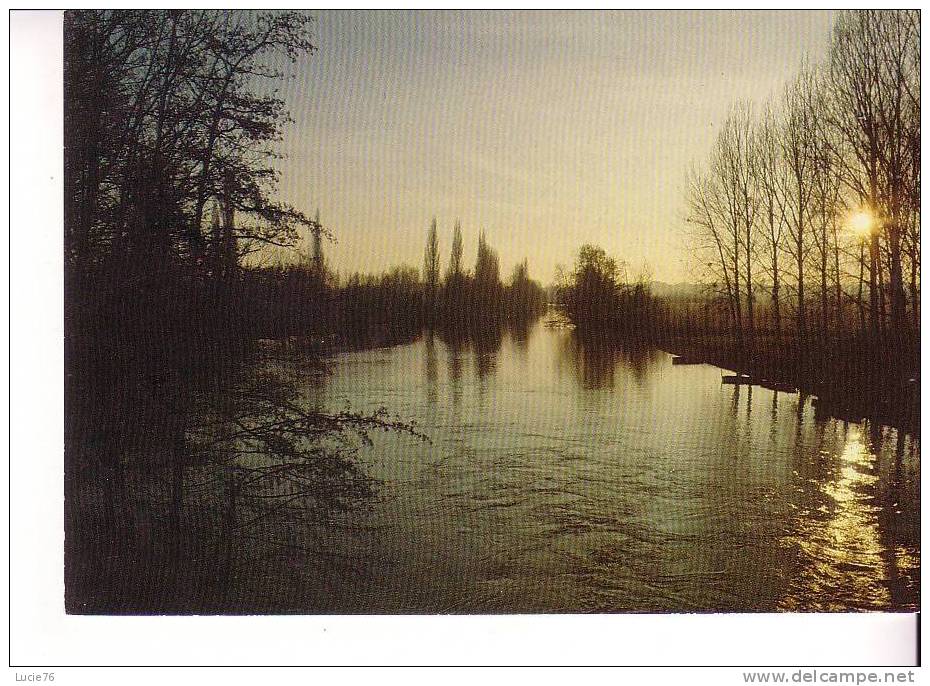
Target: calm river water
{"x": 563, "y": 477}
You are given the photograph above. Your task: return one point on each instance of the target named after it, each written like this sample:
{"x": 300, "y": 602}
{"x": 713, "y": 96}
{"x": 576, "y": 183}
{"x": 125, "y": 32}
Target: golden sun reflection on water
{"x": 840, "y": 553}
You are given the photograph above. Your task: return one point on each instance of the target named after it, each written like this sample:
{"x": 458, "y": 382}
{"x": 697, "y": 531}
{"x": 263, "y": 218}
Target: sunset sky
{"x": 547, "y": 130}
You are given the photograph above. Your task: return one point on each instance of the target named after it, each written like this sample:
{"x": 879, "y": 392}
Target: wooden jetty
{"x": 738, "y": 380}
{"x": 779, "y": 386}
{"x": 749, "y": 380}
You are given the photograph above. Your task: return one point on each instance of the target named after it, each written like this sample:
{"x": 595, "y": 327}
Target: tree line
{"x": 806, "y": 216}
{"x": 308, "y": 298}
{"x": 463, "y": 298}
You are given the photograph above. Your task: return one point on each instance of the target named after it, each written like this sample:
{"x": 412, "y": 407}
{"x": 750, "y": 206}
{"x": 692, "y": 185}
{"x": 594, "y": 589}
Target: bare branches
{"x": 774, "y": 203}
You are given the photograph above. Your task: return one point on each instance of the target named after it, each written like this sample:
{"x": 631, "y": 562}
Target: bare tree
{"x": 798, "y": 139}
{"x": 896, "y": 43}
{"x": 318, "y": 261}
{"x": 770, "y": 173}
{"x": 772, "y": 207}
{"x": 826, "y": 200}
{"x": 730, "y": 194}
{"x": 712, "y": 238}
{"x": 742, "y": 175}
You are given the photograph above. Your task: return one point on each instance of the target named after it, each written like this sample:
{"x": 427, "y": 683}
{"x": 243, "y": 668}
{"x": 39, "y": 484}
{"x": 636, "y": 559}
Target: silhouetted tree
{"x": 164, "y": 111}
{"x": 455, "y": 290}
{"x": 591, "y": 297}
{"x": 487, "y": 281}
{"x": 455, "y": 253}
{"x": 770, "y": 177}
{"x": 431, "y": 267}
{"x": 318, "y": 261}
{"x": 525, "y": 297}
{"x": 874, "y": 84}
{"x": 167, "y": 113}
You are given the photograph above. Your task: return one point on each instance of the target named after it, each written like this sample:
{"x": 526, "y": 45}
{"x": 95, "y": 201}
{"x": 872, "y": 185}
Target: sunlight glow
{"x": 861, "y": 223}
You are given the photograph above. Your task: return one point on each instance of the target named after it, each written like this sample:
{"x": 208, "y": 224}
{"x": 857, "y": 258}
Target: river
{"x": 569, "y": 477}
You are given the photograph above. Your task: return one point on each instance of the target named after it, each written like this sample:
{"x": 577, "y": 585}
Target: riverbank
{"x": 853, "y": 379}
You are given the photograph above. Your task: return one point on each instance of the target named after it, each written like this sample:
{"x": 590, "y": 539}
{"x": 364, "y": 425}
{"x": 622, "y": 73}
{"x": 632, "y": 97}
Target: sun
{"x": 861, "y": 223}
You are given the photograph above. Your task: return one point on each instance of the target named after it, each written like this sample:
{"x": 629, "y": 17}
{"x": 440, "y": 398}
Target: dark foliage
{"x": 600, "y": 301}
{"x": 182, "y": 464}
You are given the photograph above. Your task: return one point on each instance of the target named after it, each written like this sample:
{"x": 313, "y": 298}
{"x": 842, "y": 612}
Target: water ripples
{"x": 565, "y": 479}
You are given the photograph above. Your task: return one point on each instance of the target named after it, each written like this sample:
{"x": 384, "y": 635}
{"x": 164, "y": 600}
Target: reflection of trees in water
{"x": 899, "y": 522}
{"x": 455, "y": 371}
{"x": 594, "y": 360}
{"x": 519, "y": 331}
{"x": 773, "y": 417}
{"x": 835, "y": 533}
{"x": 456, "y": 341}
{"x": 431, "y": 370}
{"x": 800, "y": 403}
{"x": 844, "y": 526}
{"x": 734, "y": 406}
{"x": 748, "y": 409}
{"x": 220, "y": 478}
{"x": 486, "y": 343}
{"x": 483, "y": 341}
